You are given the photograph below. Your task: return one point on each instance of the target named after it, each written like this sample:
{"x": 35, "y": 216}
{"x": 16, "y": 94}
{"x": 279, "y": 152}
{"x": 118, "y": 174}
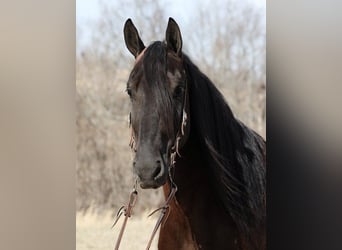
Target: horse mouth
{"x": 144, "y": 185}
{"x": 153, "y": 184}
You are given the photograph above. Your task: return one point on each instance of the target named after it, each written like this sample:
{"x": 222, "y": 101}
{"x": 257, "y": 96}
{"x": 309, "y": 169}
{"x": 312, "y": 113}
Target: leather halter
{"x": 165, "y": 209}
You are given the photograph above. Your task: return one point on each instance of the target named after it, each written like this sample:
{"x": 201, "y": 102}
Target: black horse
{"x": 220, "y": 165}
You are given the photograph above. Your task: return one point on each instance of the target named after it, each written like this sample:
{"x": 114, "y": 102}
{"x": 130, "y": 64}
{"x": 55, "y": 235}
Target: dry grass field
{"x": 95, "y": 232}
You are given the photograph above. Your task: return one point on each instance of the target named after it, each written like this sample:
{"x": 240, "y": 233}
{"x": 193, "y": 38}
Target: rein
{"x": 127, "y": 211}
{"x": 165, "y": 209}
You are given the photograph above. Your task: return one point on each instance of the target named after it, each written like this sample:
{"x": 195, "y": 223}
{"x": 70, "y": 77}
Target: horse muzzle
{"x": 151, "y": 173}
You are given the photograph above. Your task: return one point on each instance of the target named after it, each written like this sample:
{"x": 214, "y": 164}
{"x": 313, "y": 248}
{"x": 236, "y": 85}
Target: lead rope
{"x": 127, "y": 211}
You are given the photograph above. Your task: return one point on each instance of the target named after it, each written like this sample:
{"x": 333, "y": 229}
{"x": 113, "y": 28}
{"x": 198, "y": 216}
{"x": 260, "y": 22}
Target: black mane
{"x": 235, "y": 153}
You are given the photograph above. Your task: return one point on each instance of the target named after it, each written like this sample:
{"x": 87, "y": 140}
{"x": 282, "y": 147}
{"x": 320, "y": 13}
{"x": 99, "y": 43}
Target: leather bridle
{"x": 165, "y": 209}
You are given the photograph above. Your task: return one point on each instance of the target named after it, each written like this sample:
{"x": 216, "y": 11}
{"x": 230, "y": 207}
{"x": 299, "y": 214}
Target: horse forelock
{"x": 154, "y": 63}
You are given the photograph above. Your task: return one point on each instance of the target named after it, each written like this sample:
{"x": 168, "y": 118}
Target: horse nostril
{"x": 157, "y": 170}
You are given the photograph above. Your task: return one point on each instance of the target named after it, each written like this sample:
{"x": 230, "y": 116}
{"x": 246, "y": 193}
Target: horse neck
{"x": 196, "y": 208}
{"x": 210, "y": 155}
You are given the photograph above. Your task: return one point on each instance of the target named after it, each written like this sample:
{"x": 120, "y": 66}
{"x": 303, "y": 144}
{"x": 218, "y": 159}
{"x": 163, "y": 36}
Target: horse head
{"x": 157, "y": 87}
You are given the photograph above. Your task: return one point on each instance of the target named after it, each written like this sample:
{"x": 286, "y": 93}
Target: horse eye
{"x": 178, "y": 91}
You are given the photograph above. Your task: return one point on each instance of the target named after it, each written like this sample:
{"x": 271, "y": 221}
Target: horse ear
{"x": 173, "y": 37}
{"x": 132, "y": 39}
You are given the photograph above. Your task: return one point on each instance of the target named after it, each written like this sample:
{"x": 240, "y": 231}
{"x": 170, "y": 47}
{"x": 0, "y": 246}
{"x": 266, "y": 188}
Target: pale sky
{"x": 87, "y": 11}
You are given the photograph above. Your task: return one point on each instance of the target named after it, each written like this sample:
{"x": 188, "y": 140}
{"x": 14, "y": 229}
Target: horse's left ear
{"x": 173, "y": 37}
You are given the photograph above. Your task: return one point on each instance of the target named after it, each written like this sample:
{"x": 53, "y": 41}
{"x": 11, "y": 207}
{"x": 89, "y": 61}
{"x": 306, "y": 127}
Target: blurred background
{"x": 226, "y": 39}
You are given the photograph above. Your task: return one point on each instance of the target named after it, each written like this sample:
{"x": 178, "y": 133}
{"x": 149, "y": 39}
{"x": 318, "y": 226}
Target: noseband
{"x": 165, "y": 209}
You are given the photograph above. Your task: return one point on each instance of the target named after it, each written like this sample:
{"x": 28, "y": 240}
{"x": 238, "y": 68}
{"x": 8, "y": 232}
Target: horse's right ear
{"x": 132, "y": 39}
